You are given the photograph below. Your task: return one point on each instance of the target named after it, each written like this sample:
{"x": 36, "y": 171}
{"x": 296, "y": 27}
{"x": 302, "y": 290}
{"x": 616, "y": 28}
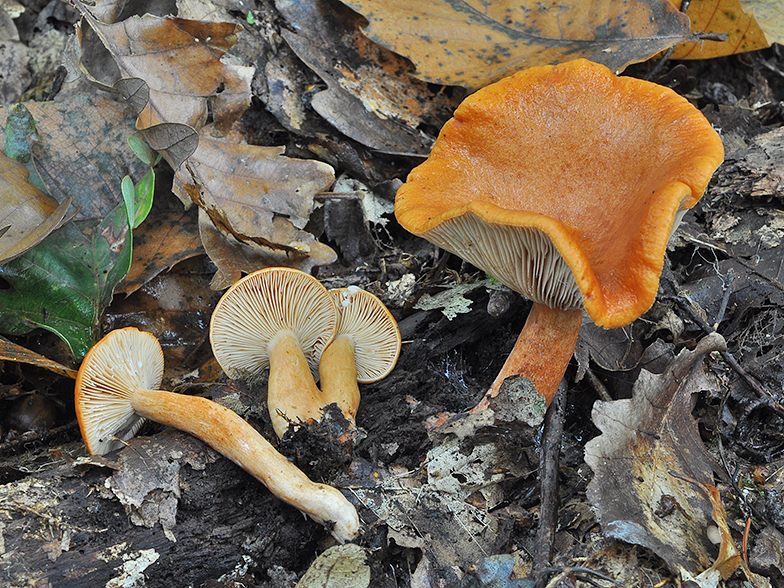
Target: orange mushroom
{"x": 565, "y": 183}
{"x": 117, "y": 388}
{"x": 283, "y": 319}
{"x": 365, "y": 348}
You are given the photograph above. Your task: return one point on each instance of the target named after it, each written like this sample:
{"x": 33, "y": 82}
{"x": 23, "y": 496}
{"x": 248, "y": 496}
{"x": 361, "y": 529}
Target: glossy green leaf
{"x": 64, "y": 283}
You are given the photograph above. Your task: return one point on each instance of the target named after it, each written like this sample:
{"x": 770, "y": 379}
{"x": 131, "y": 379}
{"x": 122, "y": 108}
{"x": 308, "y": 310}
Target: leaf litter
{"x": 442, "y": 519}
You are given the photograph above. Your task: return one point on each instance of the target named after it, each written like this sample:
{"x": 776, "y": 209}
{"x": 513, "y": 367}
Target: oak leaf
{"x": 721, "y": 16}
{"x": 473, "y": 43}
{"x": 649, "y": 443}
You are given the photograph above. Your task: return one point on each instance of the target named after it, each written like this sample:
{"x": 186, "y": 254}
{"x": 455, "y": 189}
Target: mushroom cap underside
{"x": 261, "y": 305}
{"x": 123, "y": 361}
{"x": 599, "y": 166}
{"x": 373, "y": 331}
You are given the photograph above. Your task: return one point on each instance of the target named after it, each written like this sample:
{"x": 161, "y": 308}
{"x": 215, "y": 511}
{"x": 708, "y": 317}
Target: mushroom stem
{"x": 338, "y": 375}
{"x": 233, "y": 437}
{"x": 542, "y": 351}
{"x": 291, "y": 391}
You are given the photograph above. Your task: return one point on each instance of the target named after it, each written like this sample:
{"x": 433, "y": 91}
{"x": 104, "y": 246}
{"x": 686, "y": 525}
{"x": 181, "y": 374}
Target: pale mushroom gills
{"x": 565, "y": 183}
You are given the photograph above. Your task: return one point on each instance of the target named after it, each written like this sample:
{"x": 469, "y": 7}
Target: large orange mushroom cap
{"x": 568, "y": 172}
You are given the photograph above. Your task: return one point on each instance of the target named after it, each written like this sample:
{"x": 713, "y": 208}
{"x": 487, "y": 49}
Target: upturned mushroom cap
{"x": 564, "y": 183}
{"x": 123, "y": 361}
{"x": 262, "y": 304}
{"x": 372, "y": 329}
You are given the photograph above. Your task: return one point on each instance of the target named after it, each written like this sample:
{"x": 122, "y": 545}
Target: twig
{"x": 548, "y": 476}
{"x": 766, "y": 397}
{"x": 598, "y": 385}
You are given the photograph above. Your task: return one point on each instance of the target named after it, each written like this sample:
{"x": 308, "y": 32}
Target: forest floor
{"x": 435, "y": 503}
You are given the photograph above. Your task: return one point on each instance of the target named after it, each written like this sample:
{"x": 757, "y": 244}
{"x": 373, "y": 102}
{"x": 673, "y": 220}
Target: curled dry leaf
{"x": 471, "y": 44}
{"x": 180, "y": 62}
{"x": 370, "y": 95}
{"x": 28, "y": 214}
{"x": 645, "y": 441}
{"x": 257, "y": 197}
{"x": 12, "y": 352}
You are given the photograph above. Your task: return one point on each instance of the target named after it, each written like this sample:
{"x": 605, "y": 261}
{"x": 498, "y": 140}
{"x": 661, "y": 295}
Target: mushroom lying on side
{"x": 116, "y": 388}
{"x": 365, "y": 348}
{"x": 283, "y": 319}
{"x": 565, "y": 183}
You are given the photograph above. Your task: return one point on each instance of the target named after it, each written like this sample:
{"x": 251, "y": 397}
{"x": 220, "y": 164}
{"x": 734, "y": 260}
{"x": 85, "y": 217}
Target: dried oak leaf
{"x": 179, "y": 60}
{"x": 721, "y": 16}
{"x": 648, "y": 443}
{"x": 370, "y": 96}
{"x": 27, "y": 214}
{"x": 473, "y": 43}
{"x": 257, "y": 197}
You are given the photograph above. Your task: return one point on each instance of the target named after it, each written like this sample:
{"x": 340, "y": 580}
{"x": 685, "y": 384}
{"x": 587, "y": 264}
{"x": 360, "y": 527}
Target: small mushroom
{"x": 565, "y": 183}
{"x": 117, "y": 388}
{"x": 283, "y": 319}
{"x": 365, "y": 348}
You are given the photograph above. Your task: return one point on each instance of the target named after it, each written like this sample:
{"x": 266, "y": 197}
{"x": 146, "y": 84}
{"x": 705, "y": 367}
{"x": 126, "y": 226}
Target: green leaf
{"x": 141, "y": 149}
{"x": 20, "y": 133}
{"x": 64, "y": 283}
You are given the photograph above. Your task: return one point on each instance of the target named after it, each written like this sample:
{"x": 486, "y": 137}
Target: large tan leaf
{"x": 256, "y": 196}
{"x": 180, "y": 62}
{"x": 770, "y": 16}
{"x": 649, "y": 443}
{"x": 721, "y": 16}
{"x": 28, "y": 214}
{"x": 472, "y": 43}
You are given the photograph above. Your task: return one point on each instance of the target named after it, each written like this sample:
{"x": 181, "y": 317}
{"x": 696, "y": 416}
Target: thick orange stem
{"x": 230, "y": 435}
{"x": 542, "y": 351}
{"x": 292, "y": 394}
{"x": 338, "y": 374}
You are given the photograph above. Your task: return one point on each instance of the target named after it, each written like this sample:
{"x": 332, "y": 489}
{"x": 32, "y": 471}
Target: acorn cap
{"x": 123, "y": 361}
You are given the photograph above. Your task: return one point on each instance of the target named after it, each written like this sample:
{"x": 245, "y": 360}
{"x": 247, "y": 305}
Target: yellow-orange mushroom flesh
{"x": 117, "y": 387}
{"x": 565, "y": 183}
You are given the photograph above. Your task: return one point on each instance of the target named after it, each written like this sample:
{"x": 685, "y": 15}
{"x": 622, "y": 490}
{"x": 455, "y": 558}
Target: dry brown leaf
{"x": 28, "y": 214}
{"x": 770, "y": 16}
{"x": 370, "y": 95}
{"x": 12, "y": 352}
{"x": 473, "y": 43}
{"x": 647, "y": 444}
{"x": 720, "y": 16}
{"x": 180, "y": 62}
{"x": 168, "y": 235}
{"x": 83, "y": 152}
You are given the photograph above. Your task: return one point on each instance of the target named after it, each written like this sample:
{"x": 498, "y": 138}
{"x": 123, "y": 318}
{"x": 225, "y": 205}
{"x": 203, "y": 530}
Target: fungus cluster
{"x": 286, "y": 320}
{"x": 117, "y": 388}
{"x": 565, "y": 183}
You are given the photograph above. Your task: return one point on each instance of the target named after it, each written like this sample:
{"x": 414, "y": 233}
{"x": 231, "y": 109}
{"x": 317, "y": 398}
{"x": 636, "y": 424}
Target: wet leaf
{"x": 721, "y": 16}
{"x": 12, "y": 352}
{"x": 64, "y": 283}
{"x": 648, "y": 444}
{"x": 470, "y": 43}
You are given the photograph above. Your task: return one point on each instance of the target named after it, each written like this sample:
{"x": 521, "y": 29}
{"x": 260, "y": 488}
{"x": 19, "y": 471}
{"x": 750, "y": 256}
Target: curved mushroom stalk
{"x": 338, "y": 377}
{"x": 365, "y": 349}
{"x": 116, "y": 388}
{"x": 292, "y": 395}
{"x": 542, "y": 351}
